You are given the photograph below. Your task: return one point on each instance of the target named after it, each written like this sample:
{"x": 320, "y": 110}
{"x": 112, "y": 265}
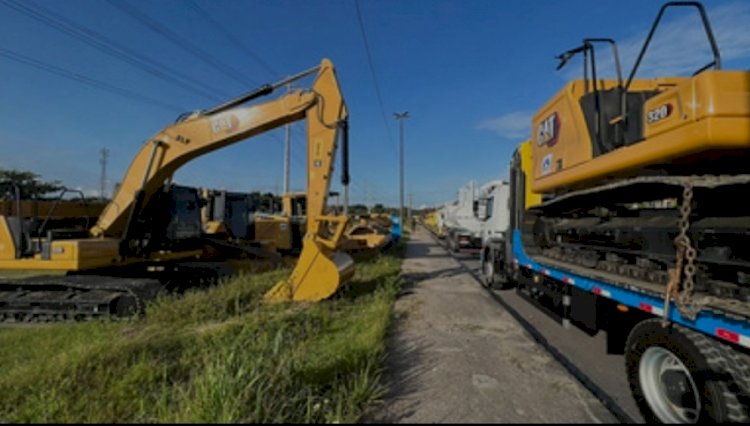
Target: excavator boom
{"x": 192, "y": 137}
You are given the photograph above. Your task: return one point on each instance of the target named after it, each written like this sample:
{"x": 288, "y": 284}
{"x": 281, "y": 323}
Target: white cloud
{"x": 513, "y": 125}
{"x": 679, "y": 46}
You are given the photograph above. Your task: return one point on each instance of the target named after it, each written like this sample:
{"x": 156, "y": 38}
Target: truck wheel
{"x": 493, "y": 279}
{"x": 488, "y": 270}
{"x": 453, "y": 244}
{"x": 678, "y": 375}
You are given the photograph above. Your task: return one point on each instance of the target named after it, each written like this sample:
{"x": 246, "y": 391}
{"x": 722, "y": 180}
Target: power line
{"x": 110, "y": 47}
{"x": 139, "y": 16}
{"x": 84, "y": 79}
{"x": 229, "y": 36}
{"x": 374, "y": 77}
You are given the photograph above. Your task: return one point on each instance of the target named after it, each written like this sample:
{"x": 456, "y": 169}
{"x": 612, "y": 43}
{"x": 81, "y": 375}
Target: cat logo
{"x": 548, "y": 131}
{"x": 226, "y": 123}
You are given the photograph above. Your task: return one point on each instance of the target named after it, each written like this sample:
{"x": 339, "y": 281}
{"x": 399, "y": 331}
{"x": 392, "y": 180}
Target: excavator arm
{"x": 196, "y": 135}
{"x": 320, "y": 269}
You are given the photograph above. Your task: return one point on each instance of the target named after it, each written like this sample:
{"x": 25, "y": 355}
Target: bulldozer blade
{"x": 318, "y": 274}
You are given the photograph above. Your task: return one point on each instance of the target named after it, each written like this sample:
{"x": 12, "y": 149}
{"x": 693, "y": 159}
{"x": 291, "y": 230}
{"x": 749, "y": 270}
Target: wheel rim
{"x": 668, "y": 387}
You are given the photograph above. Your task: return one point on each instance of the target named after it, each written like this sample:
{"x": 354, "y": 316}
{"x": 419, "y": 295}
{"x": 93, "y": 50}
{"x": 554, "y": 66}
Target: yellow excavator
{"x": 283, "y": 232}
{"x": 149, "y": 235}
{"x": 366, "y": 233}
{"x": 628, "y": 217}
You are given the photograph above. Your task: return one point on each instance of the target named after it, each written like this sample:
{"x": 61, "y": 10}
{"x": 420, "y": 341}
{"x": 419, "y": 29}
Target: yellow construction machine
{"x": 42, "y": 214}
{"x": 366, "y": 232}
{"x": 627, "y": 216}
{"x": 282, "y": 232}
{"x": 431, "y": 221}
{"x": 150, "y": 233}
{"x": 363, "y": 232}
{"x": 234, "y": 216}
{"x": 227, "y": 219}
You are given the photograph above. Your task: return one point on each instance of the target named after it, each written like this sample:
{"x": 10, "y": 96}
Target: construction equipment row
{"x": 152, "y": 236}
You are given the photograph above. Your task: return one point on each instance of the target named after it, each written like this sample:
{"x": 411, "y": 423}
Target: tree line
{"x": 27, "y": 184}
{"x": 30, "y": 185}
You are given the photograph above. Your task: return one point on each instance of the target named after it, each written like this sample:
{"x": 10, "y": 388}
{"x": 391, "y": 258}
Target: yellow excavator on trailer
{"x": 627, "y": 218}
{"x": 149, "y": 235}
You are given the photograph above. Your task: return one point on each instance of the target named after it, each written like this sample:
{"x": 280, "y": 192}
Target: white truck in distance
{"x": 494, "y": 216}
{"x": 462, "y": 228}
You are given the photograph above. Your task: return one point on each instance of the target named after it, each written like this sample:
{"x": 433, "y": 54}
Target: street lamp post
{"x": 400, "y": 117}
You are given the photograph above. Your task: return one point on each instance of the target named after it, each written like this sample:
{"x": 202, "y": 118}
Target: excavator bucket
{"x": 320, "y": 271}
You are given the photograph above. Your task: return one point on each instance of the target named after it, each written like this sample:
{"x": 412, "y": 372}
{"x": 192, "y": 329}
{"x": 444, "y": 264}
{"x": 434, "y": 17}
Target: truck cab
{"x": 462, "y": 228}
{"x": 493, "y": 214}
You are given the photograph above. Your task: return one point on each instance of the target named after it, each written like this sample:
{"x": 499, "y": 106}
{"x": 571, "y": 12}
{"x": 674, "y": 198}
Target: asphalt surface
{"x": 585, "y": 356}
{"x": 456, "y": 355}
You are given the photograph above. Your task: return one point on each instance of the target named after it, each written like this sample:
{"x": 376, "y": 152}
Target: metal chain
{"x": 690, "y": 254}
{"x": 685, "y": 253}
{"x": 674, "y": 275}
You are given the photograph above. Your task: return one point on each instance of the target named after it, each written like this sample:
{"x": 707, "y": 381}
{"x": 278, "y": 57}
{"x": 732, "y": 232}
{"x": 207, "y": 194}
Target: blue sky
{"x": 469, "y": 72}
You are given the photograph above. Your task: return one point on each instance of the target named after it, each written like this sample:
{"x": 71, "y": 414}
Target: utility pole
{"x": 370, "y": 197}
{"x": 287, "y": 149}
{"x": 103, "y": 184}
{"x": 400, "y": 117}
{"x": 411, "y": 199}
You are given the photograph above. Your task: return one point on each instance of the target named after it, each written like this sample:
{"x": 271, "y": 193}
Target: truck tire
{"x": 488, "y": 269}
{"x": 492, "y": 279}
{"x": 678, "y": 375}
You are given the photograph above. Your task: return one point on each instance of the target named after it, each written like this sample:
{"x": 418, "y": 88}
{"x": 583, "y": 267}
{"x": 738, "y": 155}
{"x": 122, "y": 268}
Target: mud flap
{"x": 320, "y": 271}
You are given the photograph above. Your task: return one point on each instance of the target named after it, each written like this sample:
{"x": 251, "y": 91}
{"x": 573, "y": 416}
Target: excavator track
{"x": 627, "y": 230}
{"x": 75, "y": 298}
{"x": 104, "y": 294}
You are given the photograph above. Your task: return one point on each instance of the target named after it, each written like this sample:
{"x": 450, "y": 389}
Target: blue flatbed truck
{"x": 628, "y": 215}
{"x": 682, "y": 367}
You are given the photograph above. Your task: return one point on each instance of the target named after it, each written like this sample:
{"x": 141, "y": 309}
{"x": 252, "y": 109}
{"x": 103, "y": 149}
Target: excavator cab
{"x": 595, "y": 128}
{"x": 615, "y": 111}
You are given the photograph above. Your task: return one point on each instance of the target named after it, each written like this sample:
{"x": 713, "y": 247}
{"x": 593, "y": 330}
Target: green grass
{"x": 215, "y": 356}
{"x": 26, "y": 273}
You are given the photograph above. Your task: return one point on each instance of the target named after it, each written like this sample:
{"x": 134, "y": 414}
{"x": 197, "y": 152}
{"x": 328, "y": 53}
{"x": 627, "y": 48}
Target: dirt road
{"x": 455, "y": 356}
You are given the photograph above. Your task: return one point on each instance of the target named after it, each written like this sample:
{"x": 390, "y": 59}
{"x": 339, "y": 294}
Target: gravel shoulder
{"x": 456, "y": 356}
